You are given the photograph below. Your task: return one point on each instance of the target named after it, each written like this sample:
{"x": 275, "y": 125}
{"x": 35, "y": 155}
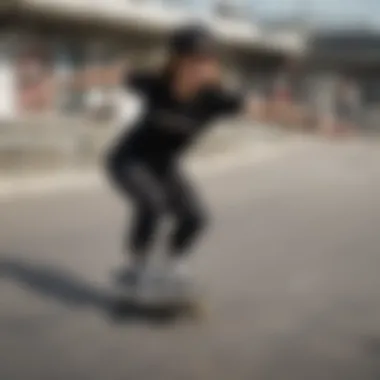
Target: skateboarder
{"x": 181, "y": 100}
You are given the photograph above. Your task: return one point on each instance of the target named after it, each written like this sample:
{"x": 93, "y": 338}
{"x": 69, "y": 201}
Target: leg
{"x": 188, "y": 212}
{"x": 142, "y": 233}
{"x": 139, "y": 182}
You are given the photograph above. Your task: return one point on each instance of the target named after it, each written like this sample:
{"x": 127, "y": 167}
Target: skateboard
{"x": 160, "y": 305}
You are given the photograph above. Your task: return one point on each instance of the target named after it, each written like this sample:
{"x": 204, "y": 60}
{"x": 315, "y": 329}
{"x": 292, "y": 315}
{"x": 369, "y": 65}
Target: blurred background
{"x": 313, "y": 65}
{"x": 291, "y": 267}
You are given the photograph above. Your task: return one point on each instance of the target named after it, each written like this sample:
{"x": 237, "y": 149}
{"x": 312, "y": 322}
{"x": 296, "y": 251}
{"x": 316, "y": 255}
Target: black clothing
{"x": 157, "y": 191}
{"x": 192, "y": 40}
{"x": 144, "y": 162}
{"x": 169, "y": 126}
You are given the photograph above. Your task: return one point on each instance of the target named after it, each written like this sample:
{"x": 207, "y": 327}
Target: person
{"x": 181, "y": 100}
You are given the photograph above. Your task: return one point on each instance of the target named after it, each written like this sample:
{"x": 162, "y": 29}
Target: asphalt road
{"x": 292, "y": 268}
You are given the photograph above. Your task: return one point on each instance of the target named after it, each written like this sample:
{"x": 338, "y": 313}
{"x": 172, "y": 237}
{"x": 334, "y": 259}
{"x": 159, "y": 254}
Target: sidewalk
{"x": 246, "y": 153}
{"x": 43, "y": 146}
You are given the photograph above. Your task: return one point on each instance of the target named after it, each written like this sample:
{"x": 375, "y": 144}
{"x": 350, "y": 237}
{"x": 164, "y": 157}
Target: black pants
{"x": 157, "y": 190}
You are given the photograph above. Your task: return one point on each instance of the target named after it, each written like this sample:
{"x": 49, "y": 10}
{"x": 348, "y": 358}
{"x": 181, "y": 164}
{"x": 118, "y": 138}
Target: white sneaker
{"x": 179, "y": 279}
{"x": 170, "y": 283}
{"x": 179, "y": 268}
{"x": 150, "y": 287}
{"x": 136, "y": 271}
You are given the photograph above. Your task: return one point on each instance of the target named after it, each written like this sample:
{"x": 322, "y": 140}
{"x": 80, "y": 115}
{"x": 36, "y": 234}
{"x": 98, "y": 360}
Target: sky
{"x": 357, "y": 13}
{"x": 336, "y": 12}
{"x": 322, "y": 11}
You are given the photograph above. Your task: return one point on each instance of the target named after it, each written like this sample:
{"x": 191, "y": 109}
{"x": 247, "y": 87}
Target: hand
{"x": 209, "y": 73}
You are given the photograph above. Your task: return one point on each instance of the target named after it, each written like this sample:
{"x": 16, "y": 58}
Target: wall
{"x": 7, "y": 81}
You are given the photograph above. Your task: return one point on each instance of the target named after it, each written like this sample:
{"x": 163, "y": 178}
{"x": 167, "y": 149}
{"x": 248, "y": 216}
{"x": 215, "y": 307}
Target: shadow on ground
{"x": 73, "y": 292}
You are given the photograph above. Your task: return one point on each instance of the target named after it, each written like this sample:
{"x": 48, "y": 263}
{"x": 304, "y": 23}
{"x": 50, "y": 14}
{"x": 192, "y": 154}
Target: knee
{"x": 113, "y": 168}
{"x": 194, "y": 221}
{"x": 153, "y": 208}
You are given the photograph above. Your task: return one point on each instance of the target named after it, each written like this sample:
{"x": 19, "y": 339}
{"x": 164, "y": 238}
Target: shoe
{"x": 131, "y": 275}
{"x": 179, "y": 281}
{"x": 151, "y": 287}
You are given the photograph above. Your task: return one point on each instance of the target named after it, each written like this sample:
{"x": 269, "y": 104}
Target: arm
{"x": 229, "y": 103}
{"x": 135, "y": 87}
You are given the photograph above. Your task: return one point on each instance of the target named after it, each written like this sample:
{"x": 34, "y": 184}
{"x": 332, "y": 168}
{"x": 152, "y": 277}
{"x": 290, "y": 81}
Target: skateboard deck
{"x": 172, "y": 305}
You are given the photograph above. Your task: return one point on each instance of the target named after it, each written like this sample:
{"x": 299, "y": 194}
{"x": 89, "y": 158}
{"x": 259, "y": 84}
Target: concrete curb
{"x": 41, "y": 148}
{"x": 31, "y": 186}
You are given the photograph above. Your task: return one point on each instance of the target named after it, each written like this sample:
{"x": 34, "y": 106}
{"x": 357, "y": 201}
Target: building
{"x": 62, "y": 56}
{"x": 346, "y": 63}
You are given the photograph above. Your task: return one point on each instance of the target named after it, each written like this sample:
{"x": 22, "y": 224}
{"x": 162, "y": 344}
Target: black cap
{"x": 192, "y": 40}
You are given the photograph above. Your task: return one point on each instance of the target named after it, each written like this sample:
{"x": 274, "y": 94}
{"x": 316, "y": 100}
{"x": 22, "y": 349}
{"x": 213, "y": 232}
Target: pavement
{"x": 34, "y": 146}
{"x": 290, "y": 269}
{"x": 231, "y": 146}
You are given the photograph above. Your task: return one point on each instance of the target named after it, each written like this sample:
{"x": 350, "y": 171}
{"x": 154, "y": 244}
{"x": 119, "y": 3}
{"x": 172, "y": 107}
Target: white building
{"x": 43, "y": 42}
